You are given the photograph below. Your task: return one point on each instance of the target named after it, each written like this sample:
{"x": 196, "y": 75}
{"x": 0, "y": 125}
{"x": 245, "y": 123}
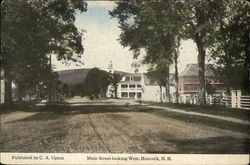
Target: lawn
{"x": 201, "y": 120}
{"x": 213, "y": 110}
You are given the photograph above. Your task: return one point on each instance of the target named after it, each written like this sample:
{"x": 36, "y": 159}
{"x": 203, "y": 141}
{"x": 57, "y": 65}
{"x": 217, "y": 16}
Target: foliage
{"x": 31, "y": 30}
{"x": 96, "y": 83}
{"x": 145, "y": 25}
{"x": 114, "y": 80}
{"x": 158, "y": 25}
{"x": 229, "y": 46}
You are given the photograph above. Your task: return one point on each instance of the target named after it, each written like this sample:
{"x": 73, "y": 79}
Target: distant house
{"x": 139, "y": 86}
{"x": 189, "y": 82}
{"x": 136, "y": 86}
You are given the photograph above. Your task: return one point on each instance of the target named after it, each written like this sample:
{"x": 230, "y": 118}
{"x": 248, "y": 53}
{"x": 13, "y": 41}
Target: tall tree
{"x": 33, "y": 29}
{"x": 145, "y": 25}
{"x": 229, "y": 46}
{"x": 155, "y": 73}
{"x": 115, "y": 79}
{"x": 195, "y": 19}
{"x": 96, "y": 83}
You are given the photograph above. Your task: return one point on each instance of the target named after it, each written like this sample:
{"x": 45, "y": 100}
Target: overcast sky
{"x": 101, "y": 43}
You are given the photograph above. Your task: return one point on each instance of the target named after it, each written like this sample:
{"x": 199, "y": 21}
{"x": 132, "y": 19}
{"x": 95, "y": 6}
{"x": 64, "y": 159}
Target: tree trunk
{"x": 176, "y": 72}
{"x": 50, "y": 79}
{"x": 201, "y": 66}
{"x": 176, "y": 82}
{"x": 161, "y": 93}
{"x": 8, "y": 88}
{"x": 19, "y": 93}
{"x": 167, "y": 87}
{"x": 116, "y": 91}
{"x": 246, "y": 64}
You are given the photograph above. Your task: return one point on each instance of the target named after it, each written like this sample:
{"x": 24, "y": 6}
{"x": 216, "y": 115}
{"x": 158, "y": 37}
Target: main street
{"x": 111, "y": 126}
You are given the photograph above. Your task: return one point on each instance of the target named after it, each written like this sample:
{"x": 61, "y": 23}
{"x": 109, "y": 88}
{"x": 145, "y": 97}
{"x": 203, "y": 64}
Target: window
{"x": 124, "y": 94}
{"x": 190, "y": 87}
{"x": 139, "y": 86}
{"x": 131, "y": 94}
{"x": 124, "y": 86}
{"x": 127, "y": 78}
{"x": 137, "y": 78}
{"x": 138, "y": 95}
{"x": 131, "y": 86}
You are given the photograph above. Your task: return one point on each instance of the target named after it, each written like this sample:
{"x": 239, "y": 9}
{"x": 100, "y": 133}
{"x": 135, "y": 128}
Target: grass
{"x": 201, "y": 120}
{"x": 213, "y": 110}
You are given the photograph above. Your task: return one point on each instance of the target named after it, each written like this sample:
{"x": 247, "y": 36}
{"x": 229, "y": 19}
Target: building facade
{"x": 189, "y": 83}
{"x": 138, "y": 86}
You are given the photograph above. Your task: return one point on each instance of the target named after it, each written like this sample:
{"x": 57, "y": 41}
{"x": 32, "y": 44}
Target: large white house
{"x": 136, "y": 86}
{"x": 139, "y": 86}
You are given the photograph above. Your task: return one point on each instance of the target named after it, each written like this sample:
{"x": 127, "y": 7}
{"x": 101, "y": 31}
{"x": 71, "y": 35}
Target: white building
{"x": 139, "y": 86}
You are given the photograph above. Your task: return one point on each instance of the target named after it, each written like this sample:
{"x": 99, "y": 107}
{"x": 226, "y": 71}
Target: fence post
{"x": 238, "y": 98}
{"x": 210, "y": 99}
{"x": 233, "y": 98}
{"x": 184, "y": 99}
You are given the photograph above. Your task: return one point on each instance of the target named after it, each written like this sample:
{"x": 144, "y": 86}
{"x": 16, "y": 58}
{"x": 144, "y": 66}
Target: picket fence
{"x": 235, "y": 100}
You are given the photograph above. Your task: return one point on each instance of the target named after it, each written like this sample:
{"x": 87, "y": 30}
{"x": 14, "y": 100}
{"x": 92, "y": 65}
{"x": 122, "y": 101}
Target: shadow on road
{"x": 50, "y": 112}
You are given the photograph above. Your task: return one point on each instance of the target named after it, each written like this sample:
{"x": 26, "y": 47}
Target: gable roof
{"x": 193, "y": 70}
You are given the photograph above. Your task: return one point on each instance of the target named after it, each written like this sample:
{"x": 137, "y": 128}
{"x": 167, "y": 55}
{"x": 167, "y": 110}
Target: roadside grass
{"x": 213, "y": 110}
{"x": 201, "y": 120}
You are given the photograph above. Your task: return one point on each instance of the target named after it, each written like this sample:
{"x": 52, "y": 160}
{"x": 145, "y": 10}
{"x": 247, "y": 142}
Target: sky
{"x": 101, "y": 44}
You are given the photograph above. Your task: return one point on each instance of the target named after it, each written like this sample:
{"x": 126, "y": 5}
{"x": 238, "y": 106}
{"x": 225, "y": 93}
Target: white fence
{"x": 235, "y": 100}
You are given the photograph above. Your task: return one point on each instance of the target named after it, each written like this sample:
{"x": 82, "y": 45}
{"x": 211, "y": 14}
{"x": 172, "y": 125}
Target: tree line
{"x": 219, "y": 28}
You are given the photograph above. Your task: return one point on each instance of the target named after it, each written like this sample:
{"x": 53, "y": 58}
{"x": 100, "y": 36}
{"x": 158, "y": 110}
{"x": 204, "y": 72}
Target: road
{"x": 112, "y": 126}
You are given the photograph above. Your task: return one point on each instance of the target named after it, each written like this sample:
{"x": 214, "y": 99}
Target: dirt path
{"x": 115, "y": 129}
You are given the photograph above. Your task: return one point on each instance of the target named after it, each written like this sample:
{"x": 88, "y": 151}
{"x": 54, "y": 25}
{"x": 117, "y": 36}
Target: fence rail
{"x": 235, "y": 100}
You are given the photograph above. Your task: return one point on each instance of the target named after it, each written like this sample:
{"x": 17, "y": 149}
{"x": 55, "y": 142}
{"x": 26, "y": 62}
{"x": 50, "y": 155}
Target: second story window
{"x": 138, "y": 86}
{"x": 124, "y": 86}
{"x": 137, "y": 78}
{"x": 127, "y": 78}
{"x": 131, "y": 86}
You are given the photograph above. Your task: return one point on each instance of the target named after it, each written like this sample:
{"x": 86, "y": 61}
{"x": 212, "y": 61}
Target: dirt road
{"x": 106, "y": 127}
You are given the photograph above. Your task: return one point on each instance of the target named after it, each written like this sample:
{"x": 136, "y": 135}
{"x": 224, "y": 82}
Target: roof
{"x": 192, "y": 70}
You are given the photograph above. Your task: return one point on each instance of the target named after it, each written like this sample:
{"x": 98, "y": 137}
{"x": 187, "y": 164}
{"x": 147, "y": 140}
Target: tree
{"x": 115, "y": 79}
{"x": 31, "y": 30}
{"x": 155, "y": 73}
{"x": 96, "y": 83}
{"x": 145, "y": 26}
{"x": 194, "y": 19}
{"x": 229, "y": 46}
